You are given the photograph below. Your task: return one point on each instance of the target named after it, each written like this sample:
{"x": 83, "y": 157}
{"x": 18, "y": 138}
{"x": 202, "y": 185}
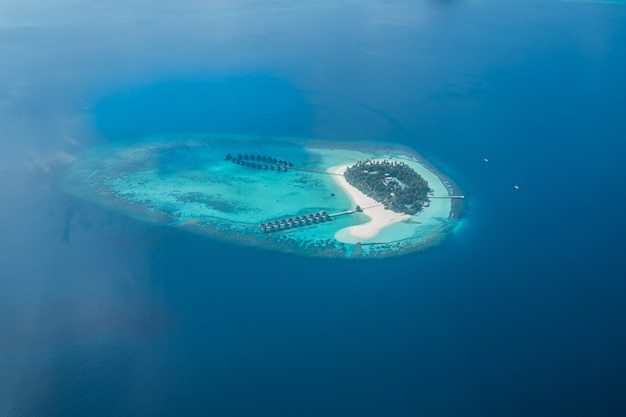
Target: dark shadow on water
{"x": 252, "y": 104}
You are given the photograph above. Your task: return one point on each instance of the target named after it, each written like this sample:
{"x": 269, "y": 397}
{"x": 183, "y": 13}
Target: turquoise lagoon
{"x": 184, "y": 181}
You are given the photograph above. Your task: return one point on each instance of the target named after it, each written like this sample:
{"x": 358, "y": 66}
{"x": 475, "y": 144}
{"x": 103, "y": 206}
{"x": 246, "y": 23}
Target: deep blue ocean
{"x": 521, "y": 313}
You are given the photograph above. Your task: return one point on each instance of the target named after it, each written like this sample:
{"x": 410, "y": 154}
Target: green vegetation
{"x": 394, "y": 184}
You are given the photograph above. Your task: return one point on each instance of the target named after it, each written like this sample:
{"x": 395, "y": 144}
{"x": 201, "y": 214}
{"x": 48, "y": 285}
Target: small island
{"x": 394, "y": 184}
{"x": 305, "y": 196}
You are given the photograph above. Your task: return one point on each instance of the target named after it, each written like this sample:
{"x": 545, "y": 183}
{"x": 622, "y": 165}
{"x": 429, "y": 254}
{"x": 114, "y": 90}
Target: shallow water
{"x": 192, "y": 182}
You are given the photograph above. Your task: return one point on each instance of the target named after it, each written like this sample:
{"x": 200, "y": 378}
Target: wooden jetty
{"x": 265, "y": 162}
{"x": 295, "y": 221}
{"x": 304, "y": 220}
{"x": 318, "y": 171}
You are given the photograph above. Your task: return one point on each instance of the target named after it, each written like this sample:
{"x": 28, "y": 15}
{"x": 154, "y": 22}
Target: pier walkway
{"x": 307, "y": 219}
{"x": 296, "y": 221}
{"x": 318, "y": 171}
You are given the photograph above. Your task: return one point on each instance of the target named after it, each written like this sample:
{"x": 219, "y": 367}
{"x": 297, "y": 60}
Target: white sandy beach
{"x": 379, "y": 216}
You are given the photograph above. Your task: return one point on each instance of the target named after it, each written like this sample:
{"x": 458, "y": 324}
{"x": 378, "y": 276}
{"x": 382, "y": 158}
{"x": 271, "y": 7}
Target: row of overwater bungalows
{"x": 263, "y": 162}
{"x": 296, "y": 221}
{"x": 255, "y": 165}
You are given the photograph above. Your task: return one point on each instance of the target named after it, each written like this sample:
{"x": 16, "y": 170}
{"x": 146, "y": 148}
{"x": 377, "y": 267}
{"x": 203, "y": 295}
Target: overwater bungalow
{"x": 295, "y": 221}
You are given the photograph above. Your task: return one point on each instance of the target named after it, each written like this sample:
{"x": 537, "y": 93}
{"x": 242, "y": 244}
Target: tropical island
{"x": 394, "y": 184}
{"x": 305, "y": 196}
